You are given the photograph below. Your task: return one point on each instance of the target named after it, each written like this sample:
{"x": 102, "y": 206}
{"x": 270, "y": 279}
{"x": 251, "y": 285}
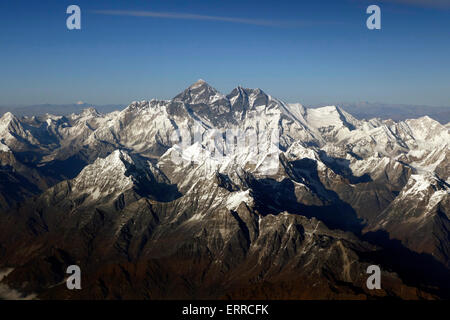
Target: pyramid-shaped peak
{"x": 110, "y": 176}
{"x": 116, "y": 160}
{"x": 8, "y": 116}
{"x": 9, "y": 119}
{"x": 199, "y": 92}
{"x": 201, "y": 85}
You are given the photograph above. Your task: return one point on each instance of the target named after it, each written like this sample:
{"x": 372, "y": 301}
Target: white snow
{"x": 236, "y": 198}
{"x": 4, "y": 147}
{"x": 323, "y": 117}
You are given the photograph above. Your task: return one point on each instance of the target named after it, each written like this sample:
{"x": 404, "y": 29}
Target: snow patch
{"x": 236, "y": 198}
{"x": 4, "y": 147}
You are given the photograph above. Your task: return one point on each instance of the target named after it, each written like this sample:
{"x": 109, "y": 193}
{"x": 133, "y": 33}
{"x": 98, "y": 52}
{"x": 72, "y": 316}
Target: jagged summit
{"x": 7, "y": 118}
{"x": 91, "y": 111}
{"x": 142, "y": 188}
{"x": 201, "y": 92}
{"x": 241, "y": 91}
{"x": 120, "y": 172}
{"x": 107, "y": 174}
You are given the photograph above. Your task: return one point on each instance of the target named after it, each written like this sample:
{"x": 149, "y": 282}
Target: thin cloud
{"x": 425, "y": 3}
{"x": 198, "y": 17}
{"x": 437, "y": 4}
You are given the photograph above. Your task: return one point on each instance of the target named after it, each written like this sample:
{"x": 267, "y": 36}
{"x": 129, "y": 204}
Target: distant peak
{"x": 246, "y": 91}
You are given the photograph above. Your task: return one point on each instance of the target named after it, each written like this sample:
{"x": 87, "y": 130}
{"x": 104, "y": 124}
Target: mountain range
{"x": 299, "y": 219}
{"x": 56, "y": 109}
{"x": 359, "y": 110}
{"x": 397, "y": 112}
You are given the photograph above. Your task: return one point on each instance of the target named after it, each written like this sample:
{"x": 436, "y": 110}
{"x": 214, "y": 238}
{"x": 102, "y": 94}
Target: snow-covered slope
{"x": 224, "y": 177}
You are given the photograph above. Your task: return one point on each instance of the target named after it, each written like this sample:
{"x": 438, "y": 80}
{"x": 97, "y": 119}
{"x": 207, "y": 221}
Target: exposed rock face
{"x": 147, "y": 214}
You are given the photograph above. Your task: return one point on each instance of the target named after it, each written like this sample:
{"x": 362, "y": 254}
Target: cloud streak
{"x": 437, "y": 4}
{"x": 198, "y": 17}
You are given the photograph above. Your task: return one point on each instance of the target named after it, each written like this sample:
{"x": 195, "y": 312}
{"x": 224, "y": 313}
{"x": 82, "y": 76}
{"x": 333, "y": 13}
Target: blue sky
{"x": 311, "y": 52}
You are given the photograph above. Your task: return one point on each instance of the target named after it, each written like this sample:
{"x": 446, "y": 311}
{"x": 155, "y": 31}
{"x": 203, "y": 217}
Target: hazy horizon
{"x": 227, "y": 91}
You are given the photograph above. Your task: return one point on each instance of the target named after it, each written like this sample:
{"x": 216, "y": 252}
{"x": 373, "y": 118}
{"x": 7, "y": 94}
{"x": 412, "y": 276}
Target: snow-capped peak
{"x": 90, "y": 112}
{"x": 199, "y": 92}
{"x": 108, "y": 176}
{"x": 6, "y": 119}
{"x": 330, "y": 116}
{"x": 117, "y": 162}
